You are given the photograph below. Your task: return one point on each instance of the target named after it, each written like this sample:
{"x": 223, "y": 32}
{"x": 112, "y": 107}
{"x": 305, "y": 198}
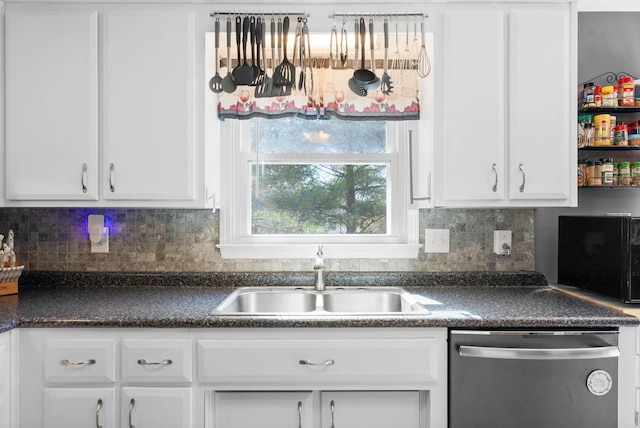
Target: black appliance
{"x": 600, "y": 254}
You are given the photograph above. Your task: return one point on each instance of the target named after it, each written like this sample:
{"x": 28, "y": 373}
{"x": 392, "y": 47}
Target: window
{"x": 294, "y": 184}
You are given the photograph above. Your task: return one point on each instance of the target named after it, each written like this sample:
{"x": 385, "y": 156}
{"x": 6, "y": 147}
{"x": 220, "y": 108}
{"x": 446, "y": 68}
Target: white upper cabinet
{"x": 508, "y": 79}
{"x": 51, "y": 62}
{"x": 148, "y": 104}
{"x": 101, "y": 105}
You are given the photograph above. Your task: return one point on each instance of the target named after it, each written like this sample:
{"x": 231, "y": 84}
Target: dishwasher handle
{"x": 539, "y": 354}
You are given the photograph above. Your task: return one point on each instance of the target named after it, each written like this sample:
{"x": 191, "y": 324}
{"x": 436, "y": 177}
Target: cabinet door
{"x": 472, "y": 151}
{"x": 148, "y": 104}
{"x": 156, "y": 407}
{"x": 263, "y": 409}
{"x": 5, "y": 379}
{"x": 542, "y": 149}
{"x": 371, "y": 409}
{"x": 79, "y": 407}
{"x": 51, "y": 59}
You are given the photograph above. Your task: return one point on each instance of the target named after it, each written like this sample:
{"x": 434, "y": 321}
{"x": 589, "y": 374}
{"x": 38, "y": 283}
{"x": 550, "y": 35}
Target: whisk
{"x": 424, "y": 65}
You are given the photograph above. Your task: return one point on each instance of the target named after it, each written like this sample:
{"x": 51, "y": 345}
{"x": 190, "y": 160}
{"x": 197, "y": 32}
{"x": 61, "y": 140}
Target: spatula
{"x": 284, "y": 75}
{"x": 243, "y": 75}
{"x": 215, "y": 84}
{"x": 228, "y": 85}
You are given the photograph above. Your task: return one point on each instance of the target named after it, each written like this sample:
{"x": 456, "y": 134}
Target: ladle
{"x": 363, "y": 75}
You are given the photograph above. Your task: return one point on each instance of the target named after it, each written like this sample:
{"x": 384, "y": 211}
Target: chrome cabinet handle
{"x": 521, "y": 167}
{"x": 144, "y": 362}
{"x": 112, "y": 187}
{"x": 539, "y": 354}
{"x": 309, "y": 363}
{"x": 411, "y": 197}
{"x": 132, "y": 404}
{"x": 495, "y": 173}
{"x": 98, "y": 408}
{"x": 333, "y": 414}
{"x": 299, "y": 414}
{"x": 66, "y": 362}
{"x": 83, "y": 177}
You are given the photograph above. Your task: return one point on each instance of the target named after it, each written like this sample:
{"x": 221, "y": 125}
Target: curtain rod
{"x": 378, "y": 14}
{"x": 270, "y": 14}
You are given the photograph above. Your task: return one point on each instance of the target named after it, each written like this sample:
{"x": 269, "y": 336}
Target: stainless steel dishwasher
{"x": 533, "y": 379}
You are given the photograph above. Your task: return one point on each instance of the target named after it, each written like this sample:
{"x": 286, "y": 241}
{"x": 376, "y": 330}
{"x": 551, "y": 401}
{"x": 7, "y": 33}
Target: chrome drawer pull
{"x": 144, "y": 362}
{"x": 132, "y": 404}
{"x": 309, "y": 363}
{"x": 521, "y": 167}
{"x": 98, "y": 408}
{"x": 66, "y": 362}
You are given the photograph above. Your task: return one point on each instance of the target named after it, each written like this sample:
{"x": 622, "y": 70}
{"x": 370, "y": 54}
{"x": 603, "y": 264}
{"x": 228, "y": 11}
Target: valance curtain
{"x": 330, "y": 96}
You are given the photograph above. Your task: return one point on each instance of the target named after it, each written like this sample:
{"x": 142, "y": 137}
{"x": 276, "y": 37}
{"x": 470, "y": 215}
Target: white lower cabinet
{"x": 371, "y": 409}
{"x": 76, "y": 407}
{"x": 327, "y": 378}
{"x": 5, "y": 379}
{"x": 231, "y": 378}
{"x": 156, "y": 407}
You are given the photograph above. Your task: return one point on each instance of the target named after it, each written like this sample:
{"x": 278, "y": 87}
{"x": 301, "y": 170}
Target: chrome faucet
{"x": 319, "y": 271}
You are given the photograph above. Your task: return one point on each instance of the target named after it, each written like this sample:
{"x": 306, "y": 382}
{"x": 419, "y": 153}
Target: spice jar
{"x": 602, "y": 130}
{"x": 635, "y": 174}
{"x": 616, "y": 173}
{"x": 582, "y": 173}
{"x": 606, "y": 172}
{"x": 621, "y": 135}
{"x": 624, "y": 173}
{"x": 609, "y": 99}
{"x": 588, "y": 95}
{"x": 626, "y": 91}
{"x": 594, "y": 173}
{"x": 597, "y": 96}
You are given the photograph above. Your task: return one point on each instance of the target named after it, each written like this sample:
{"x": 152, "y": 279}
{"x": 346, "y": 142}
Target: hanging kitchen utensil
{"x": 297, "y": 51}
{"x": 385, "y": 82}
{"x": 259, "y": 80}
{"x": 307, "y": 74}
{"x": 284, "y": 75}
{"x": 252, "y": 39}
{"x": 375, "y": 82}
{"x": 363, "y": 75}
{"x": 344, "y": 46}
{"x": 215, "y": 84}
{"x": 243, "y": 75}
{"x": 333, "y": 46}
{"x": 354, "y": 85}
{"x": 228, "y": 85}
{"x": 424, "y": 65}
{"x": 264, "y": 87}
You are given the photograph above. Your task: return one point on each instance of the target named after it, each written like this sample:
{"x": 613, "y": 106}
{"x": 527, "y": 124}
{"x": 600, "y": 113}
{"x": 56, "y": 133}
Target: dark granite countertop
{"x": 172, "y": 300}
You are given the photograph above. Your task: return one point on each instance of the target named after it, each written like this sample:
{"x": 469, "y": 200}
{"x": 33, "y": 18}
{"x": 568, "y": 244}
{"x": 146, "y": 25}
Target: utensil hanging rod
{"x": 378, "y": 14}
{"x": 268, "y": 14}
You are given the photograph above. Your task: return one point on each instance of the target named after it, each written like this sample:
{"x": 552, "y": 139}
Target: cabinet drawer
{"x": 320, "y": 362}
{"x": 79, "y": 361}
{"x": 156, "y": 361}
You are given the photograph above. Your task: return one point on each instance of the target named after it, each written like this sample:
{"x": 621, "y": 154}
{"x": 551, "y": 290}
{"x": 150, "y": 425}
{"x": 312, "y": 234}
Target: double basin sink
{"x": 309, "y": 301}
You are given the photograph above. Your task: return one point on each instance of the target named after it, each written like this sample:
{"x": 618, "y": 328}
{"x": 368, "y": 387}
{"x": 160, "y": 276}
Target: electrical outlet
{"x": 436, "y": 240}
{"x": 502, "y": 242}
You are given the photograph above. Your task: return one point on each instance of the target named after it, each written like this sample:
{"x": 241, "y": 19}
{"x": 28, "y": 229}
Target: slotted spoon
{"x": 215, "y": 84}
{"x": 385, "y": 82}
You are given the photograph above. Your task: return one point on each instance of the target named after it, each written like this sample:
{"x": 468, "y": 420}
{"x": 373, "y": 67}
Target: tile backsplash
{"x": 152, "y": 240}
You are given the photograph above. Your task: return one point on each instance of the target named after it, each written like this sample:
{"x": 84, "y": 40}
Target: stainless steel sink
{"x": 308, "y": 301}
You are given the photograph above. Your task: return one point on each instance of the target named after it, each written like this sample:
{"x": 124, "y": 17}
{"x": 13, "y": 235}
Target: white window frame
{"x": 237, "y": 242}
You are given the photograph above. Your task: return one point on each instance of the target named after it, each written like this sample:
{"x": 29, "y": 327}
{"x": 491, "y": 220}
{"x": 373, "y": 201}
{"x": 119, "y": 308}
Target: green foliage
{"x": 320, "y": 199}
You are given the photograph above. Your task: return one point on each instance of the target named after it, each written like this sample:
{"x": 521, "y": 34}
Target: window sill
{"x": 304, "y": 251}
